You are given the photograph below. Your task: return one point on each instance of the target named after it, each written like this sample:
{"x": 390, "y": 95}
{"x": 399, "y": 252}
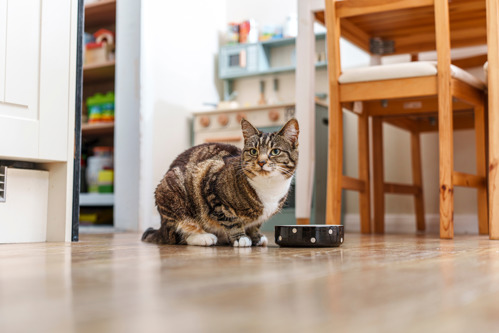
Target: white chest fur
{"x": 270, "y": 191}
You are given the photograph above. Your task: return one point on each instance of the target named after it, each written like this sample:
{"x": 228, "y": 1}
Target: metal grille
{"x": 3, "y": 181}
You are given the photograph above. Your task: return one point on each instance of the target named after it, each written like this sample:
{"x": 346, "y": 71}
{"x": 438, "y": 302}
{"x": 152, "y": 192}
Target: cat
{"x": 219, "y": 194}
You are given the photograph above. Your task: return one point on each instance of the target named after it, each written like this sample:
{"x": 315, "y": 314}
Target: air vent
{"x": 3, "y": 181}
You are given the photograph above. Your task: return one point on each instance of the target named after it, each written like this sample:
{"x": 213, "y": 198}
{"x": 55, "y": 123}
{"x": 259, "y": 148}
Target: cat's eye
{"x": 275, "y": 152}
{"x": 253, "y": 152}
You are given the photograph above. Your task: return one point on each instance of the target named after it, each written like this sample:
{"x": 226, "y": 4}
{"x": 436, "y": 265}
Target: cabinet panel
{"x": 19, "y": 61}
{"x": 21, "y": 58}
{"x": 54, "y": 78}
{"x": 35, "y": 79}
{"x": 3, "y": 38}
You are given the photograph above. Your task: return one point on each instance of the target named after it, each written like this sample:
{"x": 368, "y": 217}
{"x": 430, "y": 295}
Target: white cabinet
{"x": 34, "y": 76}
{"x": 37, "y": 113}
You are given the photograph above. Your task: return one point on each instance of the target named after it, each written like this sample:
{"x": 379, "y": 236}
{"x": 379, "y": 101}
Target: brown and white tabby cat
{"x": 217, "y": 194}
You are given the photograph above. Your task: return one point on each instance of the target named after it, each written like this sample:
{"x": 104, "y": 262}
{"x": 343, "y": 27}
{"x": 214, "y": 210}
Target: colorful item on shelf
{"x": 101, "y": 48}
{"x": 104, "y": 36}
{"x": 271, "y": 32}
{"x": 233, "y": 33}
{"x": 291, "y": 26}
{"x": 244, "y": 29}
{"x": 105, "y": 180}
{"x": 248, "y": 31}
{"x": 101, "y": 160}
{"x": 96, "y": 53}
{"x": 101, "y": 108}
{"x": 96, "y": 216}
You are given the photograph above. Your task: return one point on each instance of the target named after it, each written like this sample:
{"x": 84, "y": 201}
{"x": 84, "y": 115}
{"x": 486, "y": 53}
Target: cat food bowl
{"x": 324, "y": 235}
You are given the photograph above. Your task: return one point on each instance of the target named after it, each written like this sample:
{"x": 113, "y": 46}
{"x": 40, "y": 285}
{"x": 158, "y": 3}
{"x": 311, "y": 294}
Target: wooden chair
{"x": 403, "y": 95}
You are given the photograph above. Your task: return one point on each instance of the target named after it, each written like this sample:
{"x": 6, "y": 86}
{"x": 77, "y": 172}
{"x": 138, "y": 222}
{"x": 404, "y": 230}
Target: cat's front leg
{"x": 257, "y": 238}
{"x": 237, "y": 236}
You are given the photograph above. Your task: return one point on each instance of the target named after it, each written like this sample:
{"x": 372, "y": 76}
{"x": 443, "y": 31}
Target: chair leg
{"x": 364, "y": 197}
{"x": 417, "y": 180}
{"x": 481, "y": 170}
{"x": 446, "y": 165}
{"x": 335, "y": 164}
{"x": 378, "y": 176}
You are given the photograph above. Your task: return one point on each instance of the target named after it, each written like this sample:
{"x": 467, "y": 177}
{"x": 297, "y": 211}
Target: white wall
{"x": 180, "y": 41}
{"x": 263, "y": 11}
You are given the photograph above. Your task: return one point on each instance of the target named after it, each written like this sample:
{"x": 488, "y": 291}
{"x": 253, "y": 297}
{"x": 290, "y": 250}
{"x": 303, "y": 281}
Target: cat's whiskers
{"x": 284, "y": 171}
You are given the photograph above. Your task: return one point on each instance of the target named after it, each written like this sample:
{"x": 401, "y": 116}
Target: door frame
{"x": 77, "y": 130}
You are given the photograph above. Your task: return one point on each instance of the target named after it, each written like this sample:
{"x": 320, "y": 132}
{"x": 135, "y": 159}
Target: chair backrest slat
{"x": 350, "y": 8}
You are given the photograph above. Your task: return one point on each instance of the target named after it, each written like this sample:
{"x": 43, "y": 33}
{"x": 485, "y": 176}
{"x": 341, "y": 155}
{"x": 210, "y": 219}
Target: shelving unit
{"x": 96, "y": 199}
{"x": 98, "y": 78}
{"x": 97, "y": 129}
{"x": 98, "y": 72}
{"x": 270, "y": 57}
{"x": 100, "y": 13}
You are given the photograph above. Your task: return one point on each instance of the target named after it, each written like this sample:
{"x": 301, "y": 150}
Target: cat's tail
{"x": 162, "y": 236}
{"x": 151, "y": 235}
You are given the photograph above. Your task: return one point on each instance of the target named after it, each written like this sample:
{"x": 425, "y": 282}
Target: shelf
{"x": 100, "y": 13}
{"x": 97, "y": 229}
{"x": 96, "y": 199}
{"x": 274, "y": 70}
{"x": 276, "y": 42}
{"x": 98, "y": 72}
{"x": 97, "y": 129}
{"x": 258, "y": 59}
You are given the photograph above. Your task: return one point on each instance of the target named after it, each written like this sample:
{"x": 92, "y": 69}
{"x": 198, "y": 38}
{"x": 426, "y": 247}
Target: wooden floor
{"x": 115, "y": 283}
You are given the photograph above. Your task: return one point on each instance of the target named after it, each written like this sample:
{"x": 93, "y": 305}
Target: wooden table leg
{"x": 493, "y": 81}
{"x": 417, "y": 179}
{"x": 378, "y": 176}
{"x": 364, "y": 196}
{"x": 445, "y": 128}
{"x": 481, "y": 169}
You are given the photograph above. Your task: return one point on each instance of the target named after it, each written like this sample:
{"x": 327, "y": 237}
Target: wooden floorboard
{"x": 372, "y": 283}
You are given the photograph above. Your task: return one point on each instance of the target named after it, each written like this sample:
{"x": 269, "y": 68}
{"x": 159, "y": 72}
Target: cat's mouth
{"x": 263, "y": 172}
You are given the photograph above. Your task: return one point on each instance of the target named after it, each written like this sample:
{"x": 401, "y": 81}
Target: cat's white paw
{"x": 201, "y": 239}
{"x": 263, "y": 241}
{"x": 243, "y": 242}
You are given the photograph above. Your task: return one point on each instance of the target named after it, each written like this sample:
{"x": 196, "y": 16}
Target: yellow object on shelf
{"x": 105, "y": 181}
{"x": 96, "y": 216}
{"x": 106, "y": 176}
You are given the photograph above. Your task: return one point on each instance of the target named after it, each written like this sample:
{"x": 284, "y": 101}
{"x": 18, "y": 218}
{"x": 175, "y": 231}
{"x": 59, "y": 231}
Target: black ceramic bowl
{"x": 324, "y": 235}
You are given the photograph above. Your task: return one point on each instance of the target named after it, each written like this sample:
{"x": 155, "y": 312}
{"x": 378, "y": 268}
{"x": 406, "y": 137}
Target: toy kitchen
{"x": 224, "y": 126}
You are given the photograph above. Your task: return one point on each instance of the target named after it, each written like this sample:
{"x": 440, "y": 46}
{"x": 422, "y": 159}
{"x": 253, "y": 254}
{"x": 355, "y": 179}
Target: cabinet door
{"x": 24, "y": 189}
{"x": 34, "y": 79}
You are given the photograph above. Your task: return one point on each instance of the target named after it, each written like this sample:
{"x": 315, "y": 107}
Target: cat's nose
{"x": 261, "y": 163}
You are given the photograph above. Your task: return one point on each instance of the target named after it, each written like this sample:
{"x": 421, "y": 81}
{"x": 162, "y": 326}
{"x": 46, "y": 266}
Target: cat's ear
{"x": 290, "y": 131}
{"x": 248, "y": 129}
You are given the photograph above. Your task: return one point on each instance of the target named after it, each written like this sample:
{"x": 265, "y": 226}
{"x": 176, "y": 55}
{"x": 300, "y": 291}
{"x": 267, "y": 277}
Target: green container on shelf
{"x": 107, "y": 107}
{"x": 105, "y": 181}
{"x": 94, "y": 105}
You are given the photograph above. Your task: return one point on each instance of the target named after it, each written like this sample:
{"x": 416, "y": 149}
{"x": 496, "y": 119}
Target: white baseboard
{"x": 406, "y": 223}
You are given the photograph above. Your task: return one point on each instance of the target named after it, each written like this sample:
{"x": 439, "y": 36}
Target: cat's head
{"x": 270, "y": 154}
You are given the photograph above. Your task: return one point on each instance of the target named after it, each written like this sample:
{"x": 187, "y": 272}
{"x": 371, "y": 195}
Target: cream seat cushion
{"x": 405, "y": 70}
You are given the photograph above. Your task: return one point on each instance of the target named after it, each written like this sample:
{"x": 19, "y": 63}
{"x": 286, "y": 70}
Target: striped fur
{"x": 218, "y": 194}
